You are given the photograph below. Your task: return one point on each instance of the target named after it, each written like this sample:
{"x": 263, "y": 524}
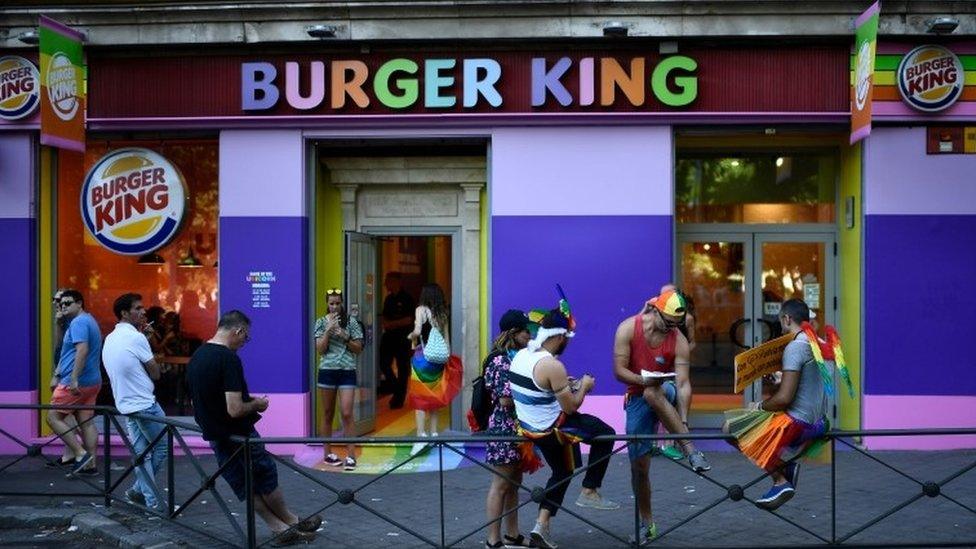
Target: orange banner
{"x": 62, "y": 86}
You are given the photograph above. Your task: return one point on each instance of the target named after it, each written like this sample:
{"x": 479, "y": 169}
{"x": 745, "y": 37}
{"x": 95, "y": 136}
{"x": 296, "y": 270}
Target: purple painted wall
{"x": 921, "y": 271}
{"x": 920, "y": 266}
{"x": 608, "y": 266}
{"x": 275, "y": 360}
{"x": 18, "y": 247}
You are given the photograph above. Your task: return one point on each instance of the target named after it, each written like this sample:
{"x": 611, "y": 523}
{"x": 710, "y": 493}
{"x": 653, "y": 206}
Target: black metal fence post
{"x": 170, "y": 473}
{"x": 440, "y": 468}
{"x": 833, "y": 490}
{"x": 252, "y": 538}
{"x": 107, "y": 462}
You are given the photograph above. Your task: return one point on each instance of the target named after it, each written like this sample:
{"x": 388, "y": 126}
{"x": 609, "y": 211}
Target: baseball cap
{"x": 513, "y": 319}
{"x": 670, "y": 303}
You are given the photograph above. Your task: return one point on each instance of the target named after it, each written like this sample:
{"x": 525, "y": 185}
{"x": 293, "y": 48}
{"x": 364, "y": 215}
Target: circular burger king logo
{"x": 19, "y": 87}
{"x": 62, "y": 86}
{"x": 133, "y": 201}
{"x": 930, "y": 78}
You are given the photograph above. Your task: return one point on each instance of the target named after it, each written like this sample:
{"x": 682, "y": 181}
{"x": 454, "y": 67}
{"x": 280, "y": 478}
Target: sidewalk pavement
{"x": 865, "y": 489}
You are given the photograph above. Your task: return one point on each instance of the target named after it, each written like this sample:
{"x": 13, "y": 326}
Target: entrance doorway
{"x": 755, "y": 228}
{"x": 737, "y": 282}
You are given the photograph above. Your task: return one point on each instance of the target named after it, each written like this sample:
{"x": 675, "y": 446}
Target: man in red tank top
{"x": 651, "y": 342}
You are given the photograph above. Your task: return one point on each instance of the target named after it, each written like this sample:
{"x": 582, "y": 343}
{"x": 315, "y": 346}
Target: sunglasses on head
{"x": 333, "y": 291}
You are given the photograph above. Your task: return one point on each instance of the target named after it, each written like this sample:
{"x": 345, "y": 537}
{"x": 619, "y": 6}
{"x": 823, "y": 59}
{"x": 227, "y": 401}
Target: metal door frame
{"x": 752, "y": 237}
{"x": 457, "y": 306}
{"x": 365, "y": 425}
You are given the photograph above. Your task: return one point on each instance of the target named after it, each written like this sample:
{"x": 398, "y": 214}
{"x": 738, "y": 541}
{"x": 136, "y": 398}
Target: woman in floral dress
{"x": 505, "y": 457}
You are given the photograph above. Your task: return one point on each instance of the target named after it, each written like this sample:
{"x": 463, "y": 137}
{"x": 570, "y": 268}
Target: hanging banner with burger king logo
{"x": 930, "y": 78}
{"x": 19, "y": 87}
{"x": 133, "y": 201}
{"x": 865, "y": 44}
{"x": 62, "y": 86}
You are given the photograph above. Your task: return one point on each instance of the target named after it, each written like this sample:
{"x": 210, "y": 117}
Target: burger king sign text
{"x": 930, "y": 78}
{"x": 19, "y": 85}
{"x": 133, "y": 201}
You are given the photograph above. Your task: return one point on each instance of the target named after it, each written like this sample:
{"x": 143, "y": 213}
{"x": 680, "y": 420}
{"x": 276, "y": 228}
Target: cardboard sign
{"x": 755, "y": 363}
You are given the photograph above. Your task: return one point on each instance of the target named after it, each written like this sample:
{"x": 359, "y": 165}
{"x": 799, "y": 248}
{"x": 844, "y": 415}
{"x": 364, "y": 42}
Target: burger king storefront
{"x": 258, "y": 181}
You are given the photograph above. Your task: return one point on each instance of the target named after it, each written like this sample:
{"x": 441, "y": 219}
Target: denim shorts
{"x": 265, "y": 476}
{"x": 641, "y": 420}
{"x": 334, "y": 378}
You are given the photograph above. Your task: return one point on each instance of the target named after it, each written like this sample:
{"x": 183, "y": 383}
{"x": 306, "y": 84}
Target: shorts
{"x": 265, "y": 475}
{"x": 334, "y": 378}
{"x": 641, "y": 420}
{"x": 86, "y": 397}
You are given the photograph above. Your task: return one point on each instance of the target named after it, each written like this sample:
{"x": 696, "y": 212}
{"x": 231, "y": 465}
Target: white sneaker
{"x": 418, "y": 447}
{"x": 540, "y": 537}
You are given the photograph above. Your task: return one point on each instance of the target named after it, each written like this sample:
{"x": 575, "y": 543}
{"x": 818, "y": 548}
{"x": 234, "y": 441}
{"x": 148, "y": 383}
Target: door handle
{"x": 733, "y": 336}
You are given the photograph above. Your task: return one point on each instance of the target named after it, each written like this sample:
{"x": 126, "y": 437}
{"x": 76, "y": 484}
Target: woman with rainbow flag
{"x": 774, "y": 433}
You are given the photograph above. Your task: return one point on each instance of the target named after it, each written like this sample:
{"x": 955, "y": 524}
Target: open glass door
{"x": 361, "y": 268}
{"x": 713, "y": 272}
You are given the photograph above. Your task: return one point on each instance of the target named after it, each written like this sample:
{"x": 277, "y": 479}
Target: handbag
{"x": 435, "y": 349}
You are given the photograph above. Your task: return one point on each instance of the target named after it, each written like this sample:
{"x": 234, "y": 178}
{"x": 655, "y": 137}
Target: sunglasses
{"x": 333, "y": 291}
{"x": 668, "y": 323}
{"x": 65, "y": 303}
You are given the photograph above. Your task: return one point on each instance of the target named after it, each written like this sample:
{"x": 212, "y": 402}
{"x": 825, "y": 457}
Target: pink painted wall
{"x": 19, "y": 423}
{"x": 919, "y": 412}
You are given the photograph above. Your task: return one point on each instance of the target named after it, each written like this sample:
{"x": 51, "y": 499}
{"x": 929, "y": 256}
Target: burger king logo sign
{"x": 19, "y": 87}
{"x": 133, "y": 201}
{"x": 930, "y": 78}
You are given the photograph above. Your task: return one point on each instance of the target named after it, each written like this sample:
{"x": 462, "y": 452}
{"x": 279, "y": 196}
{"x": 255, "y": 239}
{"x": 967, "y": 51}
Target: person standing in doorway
{"x": 77, "y": 382}
{"x": 435, "y": 376}
{"x": 339, "y": 339}
{"x": 132, "y": 370}
{"x": 396, "y": 321}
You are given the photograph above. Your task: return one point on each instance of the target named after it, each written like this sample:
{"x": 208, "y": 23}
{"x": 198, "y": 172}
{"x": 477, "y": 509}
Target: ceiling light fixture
{"x": 615, "y": 28}
{"x": 941, "y": 25}
{"x": 321, "y": 31}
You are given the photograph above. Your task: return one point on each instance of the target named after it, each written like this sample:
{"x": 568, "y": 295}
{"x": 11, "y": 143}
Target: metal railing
{"x": 459, "y": 445}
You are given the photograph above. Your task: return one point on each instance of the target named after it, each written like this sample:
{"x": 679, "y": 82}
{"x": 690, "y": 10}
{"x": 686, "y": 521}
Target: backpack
{"x": 481, "y": 403}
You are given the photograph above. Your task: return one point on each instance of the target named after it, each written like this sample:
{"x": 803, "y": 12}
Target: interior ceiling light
{"x": 189, "y": 261}
{"x": 151, "y": 258}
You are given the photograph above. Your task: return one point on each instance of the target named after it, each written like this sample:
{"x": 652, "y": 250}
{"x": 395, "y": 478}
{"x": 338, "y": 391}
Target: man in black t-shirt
{"x": 397, "y": 322}
{"x": 223, "y": 407}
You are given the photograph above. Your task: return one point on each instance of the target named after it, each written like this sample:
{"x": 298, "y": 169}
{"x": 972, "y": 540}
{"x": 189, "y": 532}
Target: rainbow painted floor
{"x": 379, "y": 458}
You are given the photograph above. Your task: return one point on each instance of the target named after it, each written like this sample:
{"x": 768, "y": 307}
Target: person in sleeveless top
{"x": 547, "y": 402}
{"x": 653, "y": 343}
{"x": 687, "y": 327}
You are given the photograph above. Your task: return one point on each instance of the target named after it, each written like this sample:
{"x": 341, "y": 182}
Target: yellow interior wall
{"x": 849, "y": 243}
{"x": 45, "y": 284}
{"x": 484, "y": 322}
{"x": 849, "y": 276}
{"x": 329, "y": 256}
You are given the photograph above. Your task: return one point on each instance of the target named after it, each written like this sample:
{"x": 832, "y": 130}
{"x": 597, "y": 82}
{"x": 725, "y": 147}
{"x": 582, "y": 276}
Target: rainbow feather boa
{"x": 828, "y": 350}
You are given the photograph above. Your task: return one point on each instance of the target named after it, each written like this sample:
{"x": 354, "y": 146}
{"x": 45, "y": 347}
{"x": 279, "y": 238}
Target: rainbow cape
{"x": 828, "y": 350}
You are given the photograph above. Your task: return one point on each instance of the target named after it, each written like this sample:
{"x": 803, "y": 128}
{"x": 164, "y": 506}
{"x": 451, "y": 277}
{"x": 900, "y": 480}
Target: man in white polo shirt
{"x": 132, "y": 369}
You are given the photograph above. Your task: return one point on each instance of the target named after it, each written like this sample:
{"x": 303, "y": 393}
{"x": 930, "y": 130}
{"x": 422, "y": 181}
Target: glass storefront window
{"x": 181, "y": 283}
{"x": 756, "y": 188}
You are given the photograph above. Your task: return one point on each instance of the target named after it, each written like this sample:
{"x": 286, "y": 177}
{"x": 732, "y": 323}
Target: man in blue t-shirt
{"x": 77, "y": 381}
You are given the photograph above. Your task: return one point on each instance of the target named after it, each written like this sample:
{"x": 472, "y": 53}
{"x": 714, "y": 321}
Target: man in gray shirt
{"x": 798, "y": 411}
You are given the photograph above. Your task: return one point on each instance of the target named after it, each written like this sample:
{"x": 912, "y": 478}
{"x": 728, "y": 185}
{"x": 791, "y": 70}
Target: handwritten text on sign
{"x": 755, "y": 363}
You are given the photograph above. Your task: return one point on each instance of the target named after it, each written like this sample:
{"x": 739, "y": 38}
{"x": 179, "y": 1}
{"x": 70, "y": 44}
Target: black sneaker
{"x": 135, "y": 496}
{"x": 60, "y": 462}
{"x": 350, "y": 464}
{"x": 309, "y": 525}
{"x": 81, "y": 464}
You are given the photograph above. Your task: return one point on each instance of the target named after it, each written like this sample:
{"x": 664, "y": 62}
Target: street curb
{"x": 88, "y": 522}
